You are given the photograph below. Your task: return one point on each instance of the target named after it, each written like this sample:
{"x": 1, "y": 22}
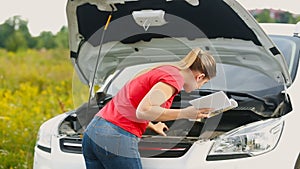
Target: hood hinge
{"x": 281, "y": 80}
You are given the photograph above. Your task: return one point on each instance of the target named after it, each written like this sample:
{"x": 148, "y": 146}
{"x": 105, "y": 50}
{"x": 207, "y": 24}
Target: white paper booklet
{"x": 217, "y": 101}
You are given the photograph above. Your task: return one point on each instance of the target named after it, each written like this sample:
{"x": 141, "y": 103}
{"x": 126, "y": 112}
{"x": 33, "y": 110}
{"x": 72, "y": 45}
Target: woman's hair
{"x": 205, "y": 63}
{"x": 199, "y": 60}
{"x": 195, "y": 60}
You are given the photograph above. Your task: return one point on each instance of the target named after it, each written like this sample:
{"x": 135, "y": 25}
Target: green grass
{"x": 34, "y": 86}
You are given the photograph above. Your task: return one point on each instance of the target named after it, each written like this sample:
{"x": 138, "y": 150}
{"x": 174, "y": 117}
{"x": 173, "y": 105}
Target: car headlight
{"x": 246, "y": 141}
{"x": 44, "y": 138}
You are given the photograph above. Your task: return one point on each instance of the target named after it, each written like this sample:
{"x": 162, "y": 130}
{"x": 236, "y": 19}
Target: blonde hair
{"x": 195, "y": 60}
{"x": 202, "y": 61}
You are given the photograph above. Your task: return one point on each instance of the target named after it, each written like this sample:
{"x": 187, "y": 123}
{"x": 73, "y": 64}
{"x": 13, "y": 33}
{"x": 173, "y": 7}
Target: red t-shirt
{"x": 121, "y": 110}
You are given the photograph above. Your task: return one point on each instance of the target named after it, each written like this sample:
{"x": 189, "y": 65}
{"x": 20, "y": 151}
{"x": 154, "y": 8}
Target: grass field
{"x": 34, "y": 86}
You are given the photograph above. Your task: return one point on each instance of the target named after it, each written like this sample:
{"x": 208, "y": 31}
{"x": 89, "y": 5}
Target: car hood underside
{"x": 210, "y": 20}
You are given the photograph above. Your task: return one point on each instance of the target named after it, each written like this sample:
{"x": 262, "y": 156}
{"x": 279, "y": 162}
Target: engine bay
{"x": 249, "y": 110}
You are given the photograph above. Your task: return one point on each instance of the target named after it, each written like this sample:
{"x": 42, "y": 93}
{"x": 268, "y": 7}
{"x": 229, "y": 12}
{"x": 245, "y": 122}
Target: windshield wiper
{"x": 240, "y": 94}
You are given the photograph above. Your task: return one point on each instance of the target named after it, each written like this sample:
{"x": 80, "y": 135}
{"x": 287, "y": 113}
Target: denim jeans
{"x": 107, "y": 146}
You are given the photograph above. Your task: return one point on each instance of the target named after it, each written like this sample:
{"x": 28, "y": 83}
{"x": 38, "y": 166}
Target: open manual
{"x": 217, "y": 101}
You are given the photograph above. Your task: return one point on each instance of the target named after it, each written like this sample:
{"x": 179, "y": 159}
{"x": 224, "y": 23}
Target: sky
{"x": 50, "y": 15}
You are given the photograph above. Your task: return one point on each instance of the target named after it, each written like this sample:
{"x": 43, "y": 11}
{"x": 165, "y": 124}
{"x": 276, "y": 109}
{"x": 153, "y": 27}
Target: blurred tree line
{"x": 14, "y": 36}
{"x": 280, "y": 17}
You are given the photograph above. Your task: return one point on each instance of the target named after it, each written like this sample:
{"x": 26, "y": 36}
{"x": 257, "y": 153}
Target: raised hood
{"x": 168, "y": 31}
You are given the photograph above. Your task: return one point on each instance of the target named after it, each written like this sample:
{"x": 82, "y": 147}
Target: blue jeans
{"x": 107, "y": 146}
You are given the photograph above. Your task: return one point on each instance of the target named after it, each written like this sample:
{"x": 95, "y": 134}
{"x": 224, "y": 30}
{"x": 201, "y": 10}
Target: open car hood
{"x": 222, "y": 27}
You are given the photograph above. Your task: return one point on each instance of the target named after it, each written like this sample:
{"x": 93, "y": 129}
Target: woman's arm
{"x": 150, "y": 106}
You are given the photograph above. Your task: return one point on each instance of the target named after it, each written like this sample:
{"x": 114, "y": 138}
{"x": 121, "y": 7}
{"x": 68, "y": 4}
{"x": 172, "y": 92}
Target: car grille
{"x": 147, "y": 147}
{"x": 165, "y": 147}
{"x": 163, "y": 150}
{"x": 71, "y": 145}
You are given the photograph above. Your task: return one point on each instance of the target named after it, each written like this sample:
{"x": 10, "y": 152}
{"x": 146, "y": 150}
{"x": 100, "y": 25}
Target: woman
{"x": 111, "y": 138}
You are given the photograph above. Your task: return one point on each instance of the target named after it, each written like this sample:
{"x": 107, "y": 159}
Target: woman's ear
{"x": 200, "y": 76}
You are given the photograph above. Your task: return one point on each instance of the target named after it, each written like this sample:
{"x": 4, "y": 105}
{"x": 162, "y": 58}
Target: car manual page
{"x": 218, "y": 101}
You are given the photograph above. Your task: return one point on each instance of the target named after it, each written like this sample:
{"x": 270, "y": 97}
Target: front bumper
{"x": 195, "y": 158}
{"x": 57, "y": 160}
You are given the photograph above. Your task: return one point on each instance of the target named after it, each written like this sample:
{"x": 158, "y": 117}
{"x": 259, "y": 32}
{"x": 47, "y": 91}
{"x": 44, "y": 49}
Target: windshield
{"x": 288, "y": 46}
{"x": 246, "y": 79}
{"x": 227, "y": 79}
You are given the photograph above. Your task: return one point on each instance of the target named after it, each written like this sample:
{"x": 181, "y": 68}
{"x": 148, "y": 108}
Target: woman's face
{"x": 194, "y": 80}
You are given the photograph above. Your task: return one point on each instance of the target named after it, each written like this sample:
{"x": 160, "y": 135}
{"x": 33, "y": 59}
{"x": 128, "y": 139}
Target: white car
{"x": 259, "y": 73}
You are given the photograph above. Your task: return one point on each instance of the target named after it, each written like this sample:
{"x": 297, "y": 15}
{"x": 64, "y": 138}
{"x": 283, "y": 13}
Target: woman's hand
{"x": 159, "y": 128}
{"x": 192, "y": 113}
